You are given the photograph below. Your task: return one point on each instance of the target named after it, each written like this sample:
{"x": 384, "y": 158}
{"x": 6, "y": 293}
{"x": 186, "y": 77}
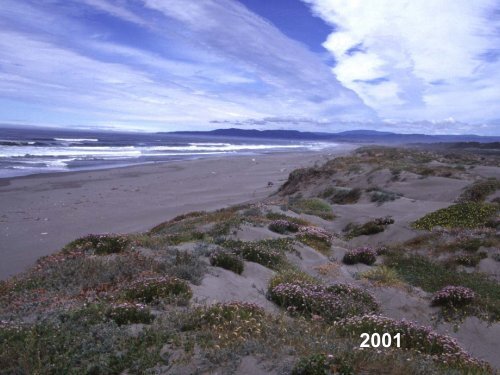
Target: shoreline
{"x": 40, "y": 213}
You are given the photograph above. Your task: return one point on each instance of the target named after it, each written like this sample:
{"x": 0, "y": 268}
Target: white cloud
{"x": 417, "y": 59}
{"x": 198, "y": 61}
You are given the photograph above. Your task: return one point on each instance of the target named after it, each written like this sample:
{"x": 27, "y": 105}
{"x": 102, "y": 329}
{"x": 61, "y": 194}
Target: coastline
{"x": 41, "y": 213}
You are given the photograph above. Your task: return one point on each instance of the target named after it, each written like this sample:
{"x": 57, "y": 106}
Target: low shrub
{"x": 453, "y": 296}
{"x": 269, "y": 253}
{"x": 479, "y": 190}
{"x": 380, "y": 196}
{"x": 322, "y": 364}
{"x": 312, "y": 206}
{"x": 470, "y": 260}
{"x": 228, "y": 261}
{"x": 152, "y": 289}
{"x": 342, "y": 195}
{"x": 283, "y": 226}
{"x": 432, "y": 277}
{"x": 330, "y": 303}
{"x": 315, "y": 237}
{"x": 291, "y": 276}
{"x": 100, "y": 244}
{"x": 129, "y": 313}
{"x": 371, "y": 227}
{"x": 278, "y": 216}
{"x": 365, "y": 255}
{"x": 464, "y": 215}
{"x": 416, "y": 338}
{"x": 231, "y": 322}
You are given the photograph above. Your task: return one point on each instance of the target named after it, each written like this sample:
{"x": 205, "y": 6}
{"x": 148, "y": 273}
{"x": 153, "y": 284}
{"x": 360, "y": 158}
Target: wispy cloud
{"x": 428, "y": 59}
{"x": 159, "y": 64}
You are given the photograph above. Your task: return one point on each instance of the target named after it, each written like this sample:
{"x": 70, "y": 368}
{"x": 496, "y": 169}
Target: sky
{"x": 427, "y": 66}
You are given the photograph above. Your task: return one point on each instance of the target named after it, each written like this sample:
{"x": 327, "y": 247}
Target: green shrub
{"x": 464, "y": 215}
{"x": 228, "y": 261}
{"x": 283, "y": 226}
{"x": 479, "y": 190}
{"x": 329, "y": 303}
{"x": 470, "y": 260}
{"x": 380, "y": 196}
{"x": 128, "y": 313}
{"x": 322, "y": 364}
{"x": 291, "y": 276}
{"x": 269, "y": 253}
{"x": 365, "y": 255}
{"x": 100, "y": 244}
{"x": 278, "y": 216}
{"x": 231, "y": 323}
{"x": 371, "y": 227}
{"x": 453, "y": 296}
{"x": 76, "y": 347}
{"x": 416, "y": 338}
{"x": 153, "y": 289}
{"x": 342, "y": 195}
{"x": 432, "y": 276}
{"x": 312, "y": 206}
{"x": 317, "y": 238}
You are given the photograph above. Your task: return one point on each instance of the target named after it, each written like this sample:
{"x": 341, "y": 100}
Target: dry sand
{"x": 40, "y": 214}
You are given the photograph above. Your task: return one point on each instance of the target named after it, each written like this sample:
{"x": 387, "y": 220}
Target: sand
{"x": 40, "y": 214}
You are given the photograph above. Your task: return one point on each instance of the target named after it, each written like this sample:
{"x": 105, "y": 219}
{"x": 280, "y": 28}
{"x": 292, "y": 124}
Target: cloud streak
{"x": 159, "y": 65}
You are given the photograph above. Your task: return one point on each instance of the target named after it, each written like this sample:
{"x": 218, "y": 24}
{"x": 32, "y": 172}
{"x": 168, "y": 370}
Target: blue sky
{"x": 429, "y": 66}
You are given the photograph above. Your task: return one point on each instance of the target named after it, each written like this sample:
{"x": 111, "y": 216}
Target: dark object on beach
{"x": 270, "y": 183}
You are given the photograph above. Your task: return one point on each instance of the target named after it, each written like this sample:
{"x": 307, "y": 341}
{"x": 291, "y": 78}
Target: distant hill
{"x": 355, "y": 136}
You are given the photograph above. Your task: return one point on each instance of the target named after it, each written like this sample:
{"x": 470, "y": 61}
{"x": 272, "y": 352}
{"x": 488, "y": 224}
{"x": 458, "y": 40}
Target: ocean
{"x": 26, "y": 151}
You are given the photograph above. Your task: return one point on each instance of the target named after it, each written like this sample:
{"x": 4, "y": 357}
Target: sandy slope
{"x": 40, "y": 214}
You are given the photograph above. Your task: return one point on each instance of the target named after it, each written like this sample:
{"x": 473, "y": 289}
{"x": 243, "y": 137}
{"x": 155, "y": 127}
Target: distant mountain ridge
{"x": 356, "y": 136}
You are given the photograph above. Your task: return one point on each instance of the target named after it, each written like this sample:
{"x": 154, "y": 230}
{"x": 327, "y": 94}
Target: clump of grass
{"x": 329, "y": 303}
{"x": 153, "y": 289}
{"x": 283, "y": 226}
{"x": 129, "y": 313}
{"x": 312, "y": 206}
{"x": 416, "y": 338}
{"x": 228, "y": 261}
{"x": 462, "y": 215}
{"x": 340, "y": 195}
{"x": 99, "y": 244}
{"x": 479, "y": 191}
{"x": 365, "y": 255}
{"x": 382, "y": 275}
{"x": 316, "y": 237}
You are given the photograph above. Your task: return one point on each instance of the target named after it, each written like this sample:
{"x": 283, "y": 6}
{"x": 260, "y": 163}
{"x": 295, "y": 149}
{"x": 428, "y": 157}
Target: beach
{"x": 39, "y": 214}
